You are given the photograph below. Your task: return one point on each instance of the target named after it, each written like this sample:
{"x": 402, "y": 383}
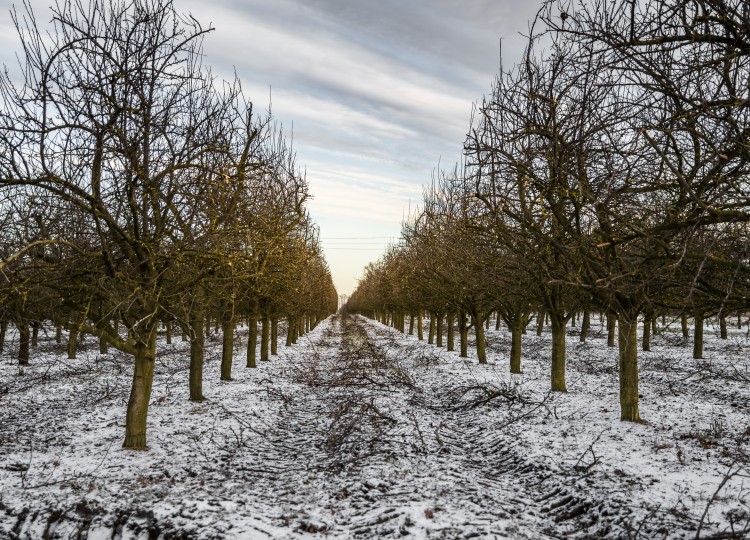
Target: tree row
{"x": 606, "y": 171}
{"x": 138, "y": 190}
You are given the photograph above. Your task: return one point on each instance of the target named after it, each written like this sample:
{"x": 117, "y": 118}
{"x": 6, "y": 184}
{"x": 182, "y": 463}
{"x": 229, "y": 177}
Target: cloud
{"x": 377, "y": 91}
{"x": 350, "y": 193}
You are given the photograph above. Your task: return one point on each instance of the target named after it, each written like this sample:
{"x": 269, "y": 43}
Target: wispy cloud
{"x": 377, "y": 92}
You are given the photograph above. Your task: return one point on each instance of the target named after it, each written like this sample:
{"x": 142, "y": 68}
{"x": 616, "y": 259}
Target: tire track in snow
{"x": 354, "y": 432}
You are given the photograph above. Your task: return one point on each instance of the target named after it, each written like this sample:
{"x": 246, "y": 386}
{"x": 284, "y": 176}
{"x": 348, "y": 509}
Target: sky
{"x": 375, "y": 95}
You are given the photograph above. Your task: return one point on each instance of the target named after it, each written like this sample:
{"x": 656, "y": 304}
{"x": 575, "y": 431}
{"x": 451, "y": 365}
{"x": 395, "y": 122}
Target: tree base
{"x": 135, "y": 442}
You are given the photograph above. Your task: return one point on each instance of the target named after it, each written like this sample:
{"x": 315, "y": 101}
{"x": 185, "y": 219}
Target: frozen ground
{"x": 358, "y": 431}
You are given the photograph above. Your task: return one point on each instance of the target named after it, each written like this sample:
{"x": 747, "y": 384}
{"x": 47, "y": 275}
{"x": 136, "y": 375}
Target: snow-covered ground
{"x": 359, "y": 431}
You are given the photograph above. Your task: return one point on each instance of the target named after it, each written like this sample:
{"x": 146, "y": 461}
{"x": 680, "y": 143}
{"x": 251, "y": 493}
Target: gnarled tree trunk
{"x": 684, "y": 325}
{"x": 265, "y": 331}
{"x": 290, "y": 332}
{"x": 72, "y": 341}
{"x": 439, "y": 329}
{"x": 35, "y": 334}
{"x": 646, "y": 333}
{"x": 3, "y": 330}
{"x": 197, "y": 351}
{"x": 698, "y": 337}
{"x": 252, "y": 340}
{"x": 479, "y": 329}
{"x": 628, "y": 341}
{"x": 539, "y": 323}
{"x": 275, "y": 336}
{"x": 516, "y": 329}
{"x": 24, "y": 341}
{"x": 463, "y": 332}
{"x": 585, "y": 325}
{"x": 227, "y": 342}
{"x": 140, "y": 392}
{"x": 558, "y": 354}
{"x": 611, "y": 327}
{"x": 451, "y": 332}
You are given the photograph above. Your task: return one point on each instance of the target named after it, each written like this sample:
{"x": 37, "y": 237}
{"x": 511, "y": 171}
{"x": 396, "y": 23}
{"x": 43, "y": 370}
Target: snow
{"x": 360, "y": 431}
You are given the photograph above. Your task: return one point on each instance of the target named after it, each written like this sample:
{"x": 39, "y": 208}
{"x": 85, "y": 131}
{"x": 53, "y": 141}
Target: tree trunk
{"x": 411, "y": 324}
{"x": 479, "y": 328}
{"x": 431, "y": 333}
{"x": 35, "y": 334}
{"x": 611, "y": 327}
{"x": 516, "y": 330}
{"x": 289, "y": 333}
{"x": 227, "y": 342}
{"x": 3, "y": 330}
{"x": 24, "y": 339}
{"x": 140, "y": 393}
{"x": 698, "y": 337}
{"x": 463, "y": 332}
{"x": 265, "y": 331}
{"x": 585, "y": 325}
{"x": 293, "y": 331}
{"x": 558, "y": 355}
{"x": 197, "y": 351}
{"x": 420, "y": 326}
{"x": 646, "y": 333}
{"x": 497, "y": 321}
{"x": 439, "y": 325}
{"x": 739, "y": 320}
{"x": 487, "y": 323}
{"x": 539, "y": 323}
{"x": 58, "y": 334}
{"x": 451, "y": 332}
{"x": 252, "y": 340}
{"x": 684, "y": 325}
{"x": 628, "y": 340}
{"x": 275, "y": 336}
{"x": 103, "y": 345}
{"x": 168, "y": 331}
{"x": 72, "y": 342}
{"x": 723, "y": 326}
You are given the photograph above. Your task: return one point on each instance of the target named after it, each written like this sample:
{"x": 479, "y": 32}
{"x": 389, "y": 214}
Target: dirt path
{"x": 396, "y": 444}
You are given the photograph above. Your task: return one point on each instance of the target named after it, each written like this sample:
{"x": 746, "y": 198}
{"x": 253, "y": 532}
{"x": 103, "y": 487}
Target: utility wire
{"x": 359, "y": 238}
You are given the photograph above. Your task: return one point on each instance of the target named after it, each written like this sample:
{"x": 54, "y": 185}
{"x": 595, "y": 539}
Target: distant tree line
{"x": 608, "y": 171}
{"x": 138, "y": 192}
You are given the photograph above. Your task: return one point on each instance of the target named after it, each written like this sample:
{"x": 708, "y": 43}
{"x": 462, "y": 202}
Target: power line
{"x": 353, "y": 249}
{"x": 359, "y": 238}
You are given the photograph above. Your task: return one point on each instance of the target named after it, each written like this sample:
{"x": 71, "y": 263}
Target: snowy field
{"x": 360, "y": 432}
